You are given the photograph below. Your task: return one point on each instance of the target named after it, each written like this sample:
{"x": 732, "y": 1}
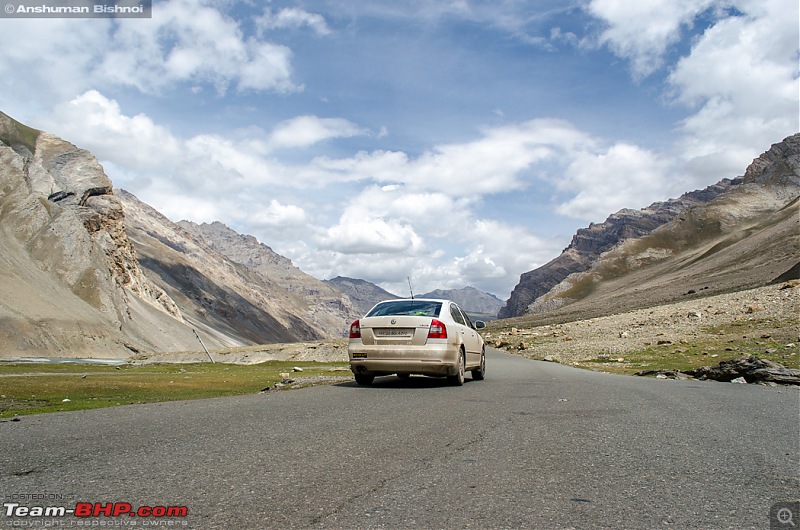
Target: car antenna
{"x": 409, "y": 287}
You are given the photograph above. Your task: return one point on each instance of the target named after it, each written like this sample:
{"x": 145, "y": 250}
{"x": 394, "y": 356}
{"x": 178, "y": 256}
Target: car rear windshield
{"x": 406, "y": 307}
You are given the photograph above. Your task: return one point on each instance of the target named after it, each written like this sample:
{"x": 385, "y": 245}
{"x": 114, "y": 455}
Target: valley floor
{"x": 697, "y": 332}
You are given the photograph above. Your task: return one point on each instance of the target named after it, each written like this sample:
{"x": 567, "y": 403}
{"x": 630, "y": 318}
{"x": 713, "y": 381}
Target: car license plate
{"x": 359, "y": 356}
{"x": 393, "y": 333}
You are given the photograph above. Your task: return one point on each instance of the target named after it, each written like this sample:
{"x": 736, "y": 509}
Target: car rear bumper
{"x": 430, "y": 359}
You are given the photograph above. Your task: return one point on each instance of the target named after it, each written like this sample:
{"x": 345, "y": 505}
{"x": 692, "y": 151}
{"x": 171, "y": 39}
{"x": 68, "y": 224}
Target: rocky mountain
{"x": 90, "y": 271}
{"x": 735, "y": 235}
{"x": 478, "y": 304}
{"x": 362, "y": 293}
{"x": 324, "y": 307}
{"x": 70, "y": 282}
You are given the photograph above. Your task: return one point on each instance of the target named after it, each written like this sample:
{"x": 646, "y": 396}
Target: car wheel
{"x": 480, "y": 373}
{"x": 458, "y": 379}
{"x": 364, "y": 380}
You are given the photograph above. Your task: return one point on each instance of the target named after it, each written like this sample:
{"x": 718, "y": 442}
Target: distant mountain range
{"x": 365, "y": 295}
{"x": 478, "y": 304}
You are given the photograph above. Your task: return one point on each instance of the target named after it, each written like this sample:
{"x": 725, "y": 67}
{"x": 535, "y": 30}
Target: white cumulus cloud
{"x": 304, "y": 131}
{"x": 292, "y": 18}
{"x": 604, "y": 182}
{"x": 742, "y": 78}
{"x": 642, "y": 30}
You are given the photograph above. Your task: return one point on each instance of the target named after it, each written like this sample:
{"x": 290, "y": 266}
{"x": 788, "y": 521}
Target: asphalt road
{"x": 535, "y": 445}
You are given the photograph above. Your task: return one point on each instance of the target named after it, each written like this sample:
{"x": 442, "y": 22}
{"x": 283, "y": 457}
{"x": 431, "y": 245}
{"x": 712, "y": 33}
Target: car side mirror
{"x": 480, "y": 324}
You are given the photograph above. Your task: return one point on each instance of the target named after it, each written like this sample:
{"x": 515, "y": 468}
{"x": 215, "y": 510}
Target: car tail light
{"x": 355, "y": 330}
{"x": 438, "y": 330}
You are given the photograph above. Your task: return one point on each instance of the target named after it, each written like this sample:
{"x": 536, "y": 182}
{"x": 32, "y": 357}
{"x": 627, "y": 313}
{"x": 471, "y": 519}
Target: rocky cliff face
{"x": 737, "y": 234}
{"x": 70, "y": 277}
{"x": 589, "y": 243}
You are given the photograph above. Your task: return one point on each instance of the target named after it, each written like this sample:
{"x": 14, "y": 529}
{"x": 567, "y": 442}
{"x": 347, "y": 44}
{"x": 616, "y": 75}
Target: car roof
{"x": 417, "y": 300}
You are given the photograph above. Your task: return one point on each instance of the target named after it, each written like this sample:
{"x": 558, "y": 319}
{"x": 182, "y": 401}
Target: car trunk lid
{"x": 395, "y": 330}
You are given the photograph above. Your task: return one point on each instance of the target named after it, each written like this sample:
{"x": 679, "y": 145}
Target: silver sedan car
{"x": 416, "y": 336}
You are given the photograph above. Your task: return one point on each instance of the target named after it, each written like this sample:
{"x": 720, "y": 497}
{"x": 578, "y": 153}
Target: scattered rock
{"x": 297, "y": 369}
{"x": 301, "y": 382}
{"x": 751, "y": 369}
{"x": 664, "y": 374}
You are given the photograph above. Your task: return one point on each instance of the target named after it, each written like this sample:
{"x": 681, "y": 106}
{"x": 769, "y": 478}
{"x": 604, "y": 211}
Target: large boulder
{"x": 751, "y": 368}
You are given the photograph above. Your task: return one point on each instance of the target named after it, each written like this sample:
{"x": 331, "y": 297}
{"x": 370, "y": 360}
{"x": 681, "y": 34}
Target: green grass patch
{"x": 35, "y": 388}
{"x": 689, "y": 355}
{"x": 20, "y": 134}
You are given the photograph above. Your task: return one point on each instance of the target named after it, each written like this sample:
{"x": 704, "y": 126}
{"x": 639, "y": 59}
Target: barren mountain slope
{"x": 219, "y": 297}
{"x": 70, "y": 282}
{"x": 315, "y": 301}
{"x": 589, "y": 243}
{"x": 742, "y": 239}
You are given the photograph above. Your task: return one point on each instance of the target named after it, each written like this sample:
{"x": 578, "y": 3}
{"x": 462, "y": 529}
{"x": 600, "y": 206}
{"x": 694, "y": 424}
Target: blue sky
{"x": 455, "y": 142}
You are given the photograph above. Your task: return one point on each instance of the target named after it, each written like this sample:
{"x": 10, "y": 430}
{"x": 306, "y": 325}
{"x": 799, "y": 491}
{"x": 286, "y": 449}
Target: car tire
{"x": 458, "y": 379}
{"x": 480, "y": 373}
{"x": 364, "y": 380}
